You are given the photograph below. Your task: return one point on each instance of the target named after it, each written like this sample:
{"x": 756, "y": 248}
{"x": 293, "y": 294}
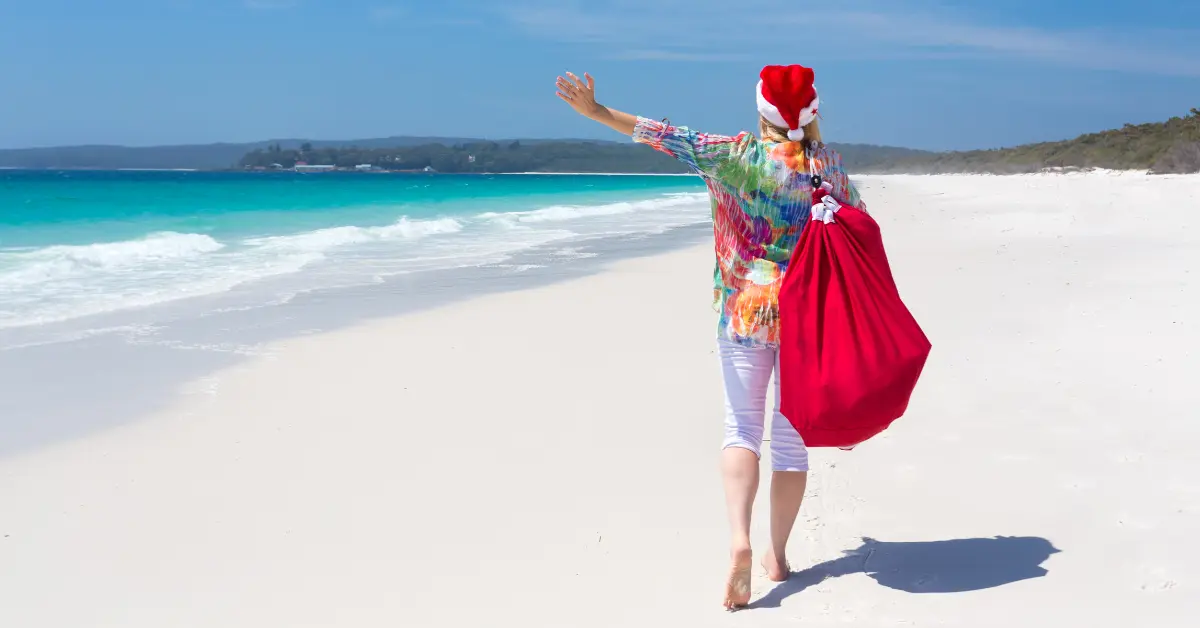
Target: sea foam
{"x": 333, "y": 237}
{"x": 559, "y": 213}
{"x": 62, "y": 262}
{"x": 63, "y": 282}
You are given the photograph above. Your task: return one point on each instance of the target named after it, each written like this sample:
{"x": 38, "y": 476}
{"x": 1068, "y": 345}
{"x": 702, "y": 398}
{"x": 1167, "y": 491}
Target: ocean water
{"x": 75, "y": 245}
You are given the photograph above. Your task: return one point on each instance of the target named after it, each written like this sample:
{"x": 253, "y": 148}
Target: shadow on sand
{"x": 928, "y": 567}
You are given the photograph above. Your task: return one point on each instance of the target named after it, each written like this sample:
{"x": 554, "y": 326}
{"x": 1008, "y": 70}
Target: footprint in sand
{"x": 1156, "y": 580}
{"x": 1165, "y": 585}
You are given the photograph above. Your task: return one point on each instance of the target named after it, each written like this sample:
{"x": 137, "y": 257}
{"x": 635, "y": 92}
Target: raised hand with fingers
{"x": 580, "y": 94}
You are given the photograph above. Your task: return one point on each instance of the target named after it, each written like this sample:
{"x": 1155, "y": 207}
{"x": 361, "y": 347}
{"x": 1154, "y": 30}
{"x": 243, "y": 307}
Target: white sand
{"x": 540, "y": 459}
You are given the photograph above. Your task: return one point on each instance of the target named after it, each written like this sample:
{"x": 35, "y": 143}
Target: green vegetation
{"x": 513, "y": 156}
{"x": 1161, "y": 147}
{"x": 870, "y": 158}
{"x": 521, "y": 156}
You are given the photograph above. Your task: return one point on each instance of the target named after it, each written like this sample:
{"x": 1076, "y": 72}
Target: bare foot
{"x": 737, "y": 590}
{"x": 777, "y": 567}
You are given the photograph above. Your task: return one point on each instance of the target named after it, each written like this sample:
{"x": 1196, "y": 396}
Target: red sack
{"x": 850, "y": 352}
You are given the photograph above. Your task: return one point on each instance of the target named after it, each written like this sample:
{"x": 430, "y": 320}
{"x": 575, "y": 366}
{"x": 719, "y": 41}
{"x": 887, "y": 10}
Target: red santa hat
{"x": 787, "y": 98}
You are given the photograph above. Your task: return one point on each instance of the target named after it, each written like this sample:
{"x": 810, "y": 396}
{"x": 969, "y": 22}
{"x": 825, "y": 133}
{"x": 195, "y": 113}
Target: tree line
{"x": 1170, "y": 147}
{"x": 475, "y": 157}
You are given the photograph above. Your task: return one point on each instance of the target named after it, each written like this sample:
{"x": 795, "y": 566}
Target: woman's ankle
{"x": 776, "y": 565}
{"x": 740, "y": 550}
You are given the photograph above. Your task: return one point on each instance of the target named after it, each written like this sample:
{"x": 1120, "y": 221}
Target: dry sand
{"x": 548, "y": 457}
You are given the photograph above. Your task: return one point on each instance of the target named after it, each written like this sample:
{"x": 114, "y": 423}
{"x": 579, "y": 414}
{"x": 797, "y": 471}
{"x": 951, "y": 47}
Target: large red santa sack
{"x": 850, "y": 352}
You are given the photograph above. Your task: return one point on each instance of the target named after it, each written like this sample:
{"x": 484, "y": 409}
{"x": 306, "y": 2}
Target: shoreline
{"x": 162, "y": 350}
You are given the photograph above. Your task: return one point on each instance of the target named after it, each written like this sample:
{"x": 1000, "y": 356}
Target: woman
{"x": 761, "y": 192}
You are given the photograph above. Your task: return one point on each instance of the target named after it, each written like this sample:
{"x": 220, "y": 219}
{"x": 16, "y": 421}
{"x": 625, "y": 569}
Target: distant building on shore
{"x": 305, "y": 167}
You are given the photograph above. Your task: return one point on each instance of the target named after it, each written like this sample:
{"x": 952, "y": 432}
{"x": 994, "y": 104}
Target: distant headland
{"x": 1172, "y": 146}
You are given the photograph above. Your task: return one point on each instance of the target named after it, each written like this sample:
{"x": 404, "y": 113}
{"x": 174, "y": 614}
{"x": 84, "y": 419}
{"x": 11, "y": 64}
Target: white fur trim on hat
{"x": 807, "y": 116}
{"x": 809, "y": 113}
{"x": 768, "y": 111}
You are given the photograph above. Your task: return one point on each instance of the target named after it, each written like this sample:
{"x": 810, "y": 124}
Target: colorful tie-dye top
{"x": 761, "y": 200}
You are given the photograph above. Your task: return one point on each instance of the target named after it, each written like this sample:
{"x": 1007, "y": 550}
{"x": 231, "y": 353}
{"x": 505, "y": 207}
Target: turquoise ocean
{"x": 80, "y": 244}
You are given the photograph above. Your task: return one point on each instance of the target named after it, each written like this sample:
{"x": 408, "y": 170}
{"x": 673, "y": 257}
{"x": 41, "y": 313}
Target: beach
{"x": 539, "y": 448}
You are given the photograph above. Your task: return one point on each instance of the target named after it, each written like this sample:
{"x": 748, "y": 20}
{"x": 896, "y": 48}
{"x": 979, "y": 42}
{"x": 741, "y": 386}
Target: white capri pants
{"x": 747, "y": 373}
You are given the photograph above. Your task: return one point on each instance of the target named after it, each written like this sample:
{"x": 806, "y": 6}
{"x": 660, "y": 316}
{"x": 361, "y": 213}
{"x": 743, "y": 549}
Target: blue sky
{"x": 920, "y": 73}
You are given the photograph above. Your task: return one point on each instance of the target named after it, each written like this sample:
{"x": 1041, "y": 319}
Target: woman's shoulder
{"x": 827, "y": 152}
{"x": 829, "y": 158}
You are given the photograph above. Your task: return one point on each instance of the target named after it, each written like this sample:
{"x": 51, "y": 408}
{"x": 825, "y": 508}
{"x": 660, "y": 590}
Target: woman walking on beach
{"x": 761, "y": 193}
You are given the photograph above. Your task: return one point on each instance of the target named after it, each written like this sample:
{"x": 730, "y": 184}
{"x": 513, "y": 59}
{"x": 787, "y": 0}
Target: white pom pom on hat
{"x": 787, "y": 98}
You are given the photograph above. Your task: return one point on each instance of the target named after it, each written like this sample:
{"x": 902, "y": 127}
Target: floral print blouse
{"x": 761, "y": 196}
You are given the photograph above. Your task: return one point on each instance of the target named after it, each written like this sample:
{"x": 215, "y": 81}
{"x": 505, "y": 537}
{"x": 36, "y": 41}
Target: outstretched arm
{"x": 702, "y": 152}
{"x": 581, "y": 95}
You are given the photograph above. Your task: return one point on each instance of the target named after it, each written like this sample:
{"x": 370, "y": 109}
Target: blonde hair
{"x": 772, "y": 133}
